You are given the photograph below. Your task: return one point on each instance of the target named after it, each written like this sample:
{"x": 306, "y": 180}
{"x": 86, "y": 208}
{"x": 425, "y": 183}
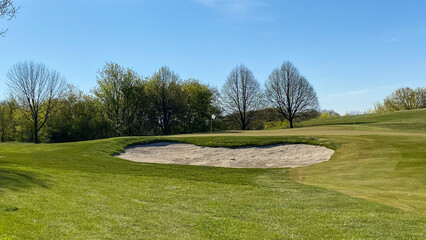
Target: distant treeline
{"x": 402, "y": 99}
{"x": 122, "y": 104}
{"x": 44, "y": 108}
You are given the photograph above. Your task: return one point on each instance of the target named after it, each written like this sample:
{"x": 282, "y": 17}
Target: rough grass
{"x": 79, "y": 191}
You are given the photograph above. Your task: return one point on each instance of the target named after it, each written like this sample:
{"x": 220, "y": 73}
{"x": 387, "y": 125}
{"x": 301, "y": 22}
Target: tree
{"x": 198, "y": 106}
{"x": 7, "y": 10}
{"x": 7, "y": 110}
{"x": 241, "y": 96}
{"x": 37, "y": 90}
{"x": 420, "y": 96}
{"x": 79, "y": 118}
{"x": 165, "y": 93}
{"x": 122, "y": 93}
{"x": 406, "y": 99}
{"x": 290, "y": 93}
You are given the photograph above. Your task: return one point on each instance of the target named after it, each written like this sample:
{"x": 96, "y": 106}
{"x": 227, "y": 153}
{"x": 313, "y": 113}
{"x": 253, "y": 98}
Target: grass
{"x": 372, "y": 188}
{"x": 413, "y": 120}
{"x": 383, "y": 165}
{"x": 389, "y": 170}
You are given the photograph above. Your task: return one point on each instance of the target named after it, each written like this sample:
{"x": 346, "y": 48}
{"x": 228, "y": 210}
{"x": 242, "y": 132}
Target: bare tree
{"x": 7, "y": 10}
{"x": 290, "y": 93}
{"x": 36, "y": 89}
{"x": 241, "y": 95}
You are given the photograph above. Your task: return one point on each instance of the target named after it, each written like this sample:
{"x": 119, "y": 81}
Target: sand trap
{"x": 274, "y": 156}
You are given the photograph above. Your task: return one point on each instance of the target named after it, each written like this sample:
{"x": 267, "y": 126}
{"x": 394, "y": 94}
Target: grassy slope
{"x": 381, "y": 167}
{"x": 78, "y": 191}
{"x": 413, "y": 120}
{"x": 388, "y": 170}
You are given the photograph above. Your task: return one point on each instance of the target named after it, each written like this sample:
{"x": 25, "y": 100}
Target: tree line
{"x": 402, "y": 99}
{"x": 43, "y": 107}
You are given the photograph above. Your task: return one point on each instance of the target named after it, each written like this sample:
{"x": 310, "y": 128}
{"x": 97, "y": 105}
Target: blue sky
{"x": 354, "y": 53}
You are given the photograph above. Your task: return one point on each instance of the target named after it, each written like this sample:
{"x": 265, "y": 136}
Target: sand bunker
{"x": 274, "y": 156}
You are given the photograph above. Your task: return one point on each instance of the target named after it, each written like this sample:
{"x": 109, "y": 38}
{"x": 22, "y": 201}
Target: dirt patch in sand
{"x": 273, "y": 156}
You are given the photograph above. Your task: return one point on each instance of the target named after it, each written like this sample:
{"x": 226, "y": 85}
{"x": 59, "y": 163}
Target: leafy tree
{"x": 37, "y": 90}
{"x": 290, "y": 93}
{"x": 80, "y": 118}
{"x": 166, "y": 98}
{"x": 121, "y": 91}
{"x": 241, "y": 96}
{"x": 406, "y": 99}
{"x": 198, "y": 106}
{"x": 7, "y": 124}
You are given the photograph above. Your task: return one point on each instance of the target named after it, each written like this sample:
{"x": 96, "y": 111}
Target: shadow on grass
{"x": 14, "y": 179}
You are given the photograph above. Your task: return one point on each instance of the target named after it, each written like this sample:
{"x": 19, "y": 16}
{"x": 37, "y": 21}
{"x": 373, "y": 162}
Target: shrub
{"x": 277, "y": 124}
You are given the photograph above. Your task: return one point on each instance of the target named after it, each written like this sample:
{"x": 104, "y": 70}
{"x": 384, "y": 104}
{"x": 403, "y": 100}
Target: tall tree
{"x": 290, "y": 93}
{"x": 198, "y": 106}
{"x": 164, "y": 91}
{"x": 7, "y": 10}
{"x": 37, "y": 90}
{"x": 241, "y": 95}
{"x": 7, "y": 109}
{"x": 121, "y": 91}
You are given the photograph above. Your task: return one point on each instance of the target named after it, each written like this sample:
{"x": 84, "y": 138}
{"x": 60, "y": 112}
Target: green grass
{"x": 389, "y": 170}
{"x": 383, "y": 165}
{"x": 413, "y": 120}
{"x": 374, "y": 187}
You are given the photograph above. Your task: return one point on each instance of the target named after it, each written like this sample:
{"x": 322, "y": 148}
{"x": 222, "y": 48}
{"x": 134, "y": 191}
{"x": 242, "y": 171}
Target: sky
{"x": 354, "y": 53}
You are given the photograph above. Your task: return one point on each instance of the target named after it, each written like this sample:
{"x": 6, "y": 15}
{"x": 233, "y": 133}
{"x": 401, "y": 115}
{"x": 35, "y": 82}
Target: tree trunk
{"x": 166, "y": 129}
{"x": 291, "y": 122}
{"x": 36, "y": 131}
{"x": 243, "y": 125}
{"x": 243, "y": 122}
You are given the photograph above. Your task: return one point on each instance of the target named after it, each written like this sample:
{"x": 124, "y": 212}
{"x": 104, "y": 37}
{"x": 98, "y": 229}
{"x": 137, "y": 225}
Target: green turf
{"x": 374, "y": 187}
{"x": 383, "y": 165}
{"x": 390, "y": 170}
{"x": 79, "y": 191}
{"x": 413, "y": 120}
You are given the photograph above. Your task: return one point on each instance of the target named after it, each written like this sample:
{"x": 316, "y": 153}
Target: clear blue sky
{"x": 354, "y": 53}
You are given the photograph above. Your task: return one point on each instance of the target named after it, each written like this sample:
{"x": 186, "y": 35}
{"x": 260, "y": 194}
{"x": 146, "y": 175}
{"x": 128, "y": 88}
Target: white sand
{"x": 274, "y": 156}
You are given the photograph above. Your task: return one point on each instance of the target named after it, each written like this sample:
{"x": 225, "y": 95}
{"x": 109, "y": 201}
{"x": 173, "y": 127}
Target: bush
{"x": 277, "y": 124}
{"x": 328, "y": 114}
